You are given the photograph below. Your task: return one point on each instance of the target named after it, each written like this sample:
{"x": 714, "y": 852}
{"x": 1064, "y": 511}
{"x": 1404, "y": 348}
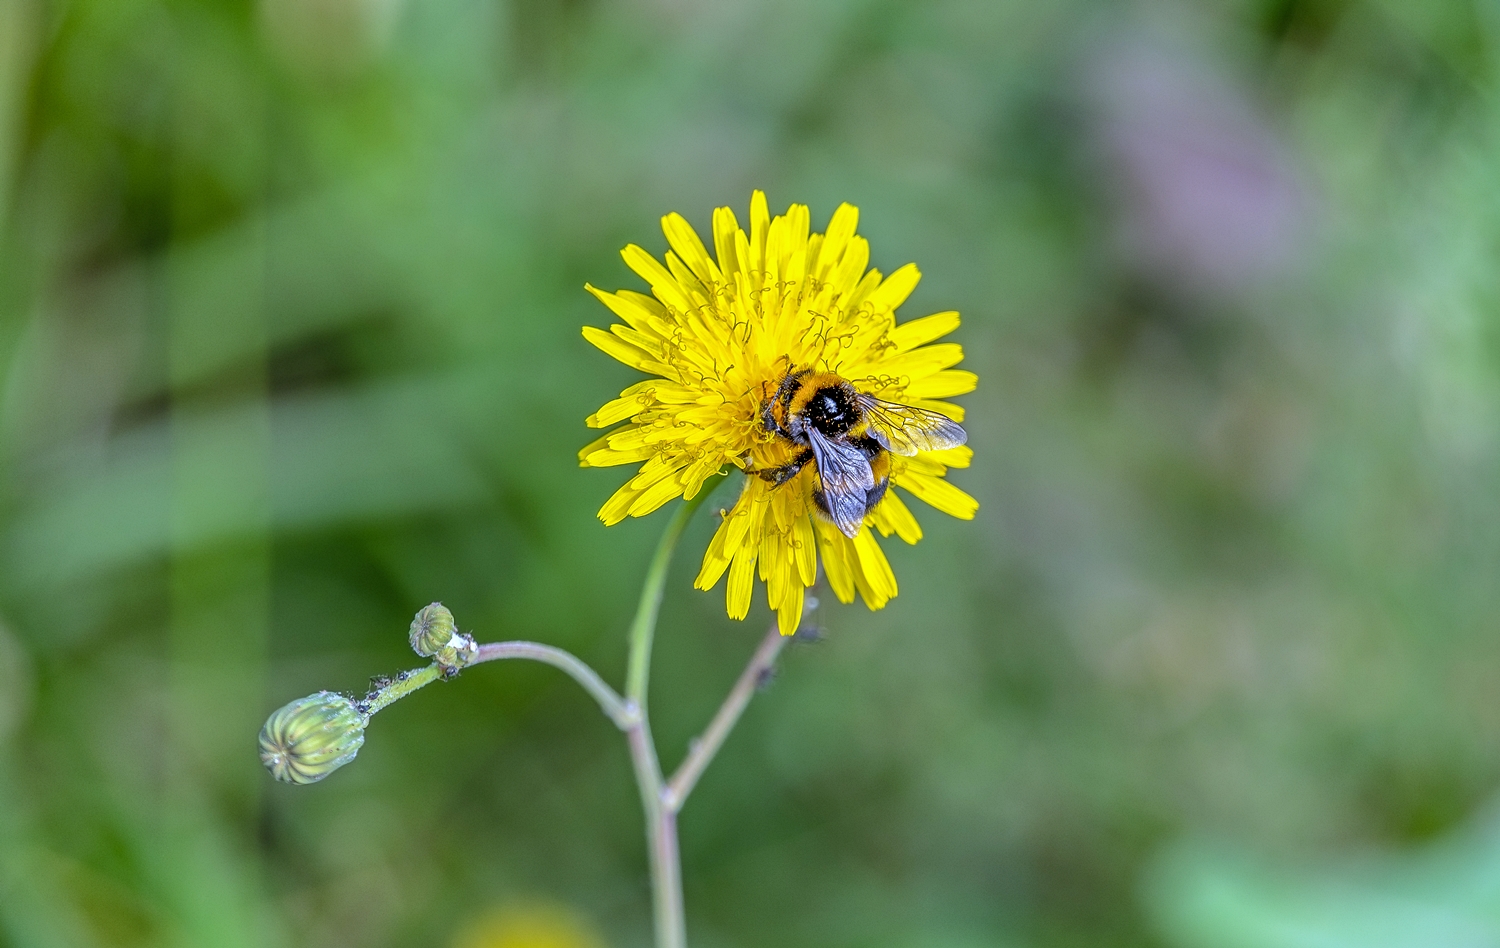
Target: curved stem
{"x": 391, "y": 690}
{"x": 705, "y": 747}
{"x": 609, "y": 700}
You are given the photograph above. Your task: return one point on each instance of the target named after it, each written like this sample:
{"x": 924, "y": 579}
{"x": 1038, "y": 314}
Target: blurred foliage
{"x": 1446, "y": 893}
{"x": 290, "y": 294}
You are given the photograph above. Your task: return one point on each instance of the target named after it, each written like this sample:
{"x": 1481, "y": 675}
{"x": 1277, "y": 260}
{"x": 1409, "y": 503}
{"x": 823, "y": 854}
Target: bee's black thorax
{"x": 808, "y": 400}
{"x": 831, "y": 410}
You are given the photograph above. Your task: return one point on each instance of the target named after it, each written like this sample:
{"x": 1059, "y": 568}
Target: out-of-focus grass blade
{"x": 381, "y": 451}
{"x": 17, "y": 24}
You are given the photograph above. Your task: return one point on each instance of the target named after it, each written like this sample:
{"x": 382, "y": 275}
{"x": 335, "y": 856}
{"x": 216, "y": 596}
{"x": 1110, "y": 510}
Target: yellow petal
{"x": 956, "y": 412}
{"x": 628, "y": 306}
{"x": 598, "y": 444}
{"x": 657, "y": 494}
{"x": 944, "y": 384}
{"x": 896, "y": 288}
{"x": 775, "y": 565}
{"x": 659, "y": 319}
{"x": 776, "y": 239}
{"x": 730, "y": 536}
{"x": 684, "y": 240}
{"x": 893, "y": 516}
{"x": 620, "y": 350}
{"x": 715, "y": 561}
{"x": 618, "y": 506}
{"x": 685, "y": 278}
{"x": 805, "y": 549}
{"x": 601, "y": 454}
{"x": 873, "y": 576}
{"x": 725, "y": 230}
{"x": 918, "y": 332}
{"x": 748, "y": 280}
{"x": 648, "y": 268}
{"x": 697, "y": 473}
{"x": 741, "y": 582}
{"x": 814, "y": 254}
{"x": 792, "y": 259}
{"x": 851, "y": 269}
{"x": 841, "y": 228}
{"x": 923, "y": 362}
{"x": 836, "y": 560}
{"x": 789, "y": 613}
{"x": 760, "y": 223}
{"x": 632, "y": 401}
{"x": 939, "y": 493}
{"x": 951, "y": 457}
{"x": 855, "y": 299}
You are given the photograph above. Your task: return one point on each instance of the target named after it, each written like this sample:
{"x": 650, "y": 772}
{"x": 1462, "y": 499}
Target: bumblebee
{"x": 849, "y": 437}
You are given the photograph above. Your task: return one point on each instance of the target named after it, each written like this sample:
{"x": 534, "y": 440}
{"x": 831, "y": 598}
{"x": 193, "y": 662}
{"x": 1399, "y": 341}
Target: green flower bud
{"x": 312, "y": 737}
{"x": 434, "y": 634}
{"x": 432, "y": 629}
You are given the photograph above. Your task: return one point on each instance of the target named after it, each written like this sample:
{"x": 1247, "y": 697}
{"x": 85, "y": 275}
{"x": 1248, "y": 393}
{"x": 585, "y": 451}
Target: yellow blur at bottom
{"x": 532, "y": 926}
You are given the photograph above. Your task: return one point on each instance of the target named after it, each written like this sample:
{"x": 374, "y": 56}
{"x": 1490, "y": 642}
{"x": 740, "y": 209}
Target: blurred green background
{"x": 290, "y": 297}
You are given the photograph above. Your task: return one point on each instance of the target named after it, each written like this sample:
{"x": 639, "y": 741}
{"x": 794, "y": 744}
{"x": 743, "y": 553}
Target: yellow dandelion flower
{"x": 534, "y": 926}
{"x": 783, "y": 358}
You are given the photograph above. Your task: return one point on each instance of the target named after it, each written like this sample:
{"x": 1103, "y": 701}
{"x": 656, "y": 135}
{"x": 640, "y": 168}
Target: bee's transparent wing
{"x": 846, "y": 478}
{"x": 904, "y": 430}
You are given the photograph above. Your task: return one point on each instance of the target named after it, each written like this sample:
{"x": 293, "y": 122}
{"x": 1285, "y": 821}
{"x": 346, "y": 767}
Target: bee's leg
{"x": 788, "y": 391}
{"x": 768, "y": 419}
{"x": 777, "y": 476}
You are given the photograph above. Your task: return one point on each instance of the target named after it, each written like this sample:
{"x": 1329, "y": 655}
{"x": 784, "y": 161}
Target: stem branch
{"x": 707, "y": 745}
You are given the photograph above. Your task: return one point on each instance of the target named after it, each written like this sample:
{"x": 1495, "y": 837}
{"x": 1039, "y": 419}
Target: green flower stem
{"x": 660, "y": 799}
{"x": 643, "y": 629}
{"x": 705, "y": 747}
{"x": 661, "y": 842}
{"x": 661, "y": 822}
{"x": 399, "y": 687}
{"x": 609, "y": 700}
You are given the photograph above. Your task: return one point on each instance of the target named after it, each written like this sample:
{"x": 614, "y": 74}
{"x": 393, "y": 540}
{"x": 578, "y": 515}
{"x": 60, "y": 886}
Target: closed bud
{"x": 434, "y": 635}
{"x": 312, "y": 737}
{"x": 432, "y": 629}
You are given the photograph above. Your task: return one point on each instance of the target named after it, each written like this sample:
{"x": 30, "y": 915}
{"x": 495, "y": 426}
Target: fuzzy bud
{"x": 312, "y": 737}
{"x": 434, "y": 635}
{"x": 432, "y": 629}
